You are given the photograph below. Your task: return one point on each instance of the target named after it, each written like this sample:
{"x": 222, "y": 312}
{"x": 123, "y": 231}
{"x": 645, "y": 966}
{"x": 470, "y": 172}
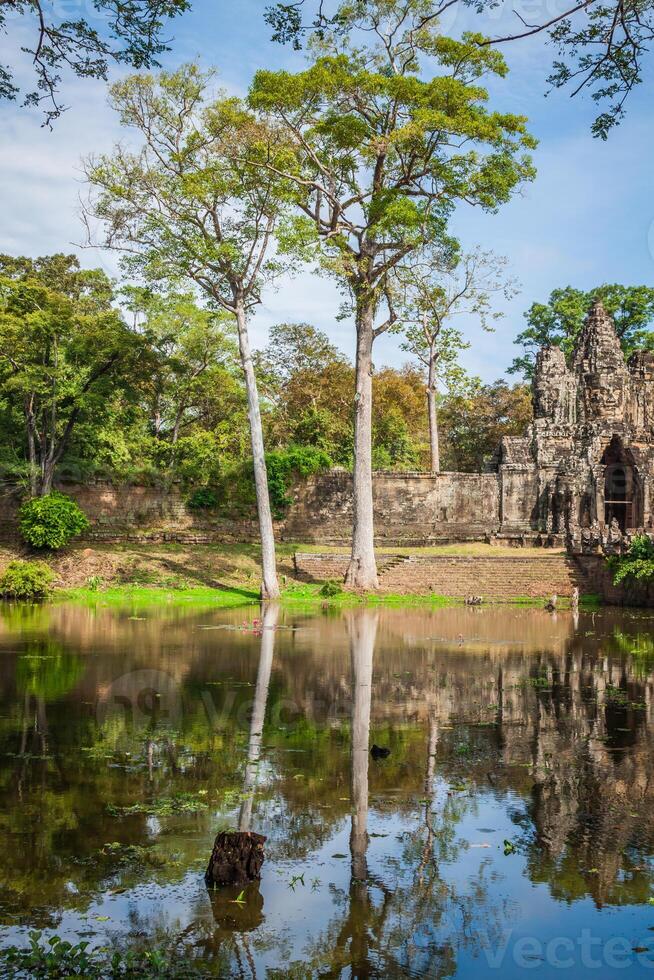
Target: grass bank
{"x": 120, "y": 595}
{"x": 220, "y": 576}
{"x": 301, "y": 595}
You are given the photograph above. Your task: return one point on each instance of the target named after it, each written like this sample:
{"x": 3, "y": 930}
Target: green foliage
{"x": 331, "y": 588}
{"x": 203, "y": 499}
{"x": 58, "y": 958}
{"x": 474, "y": 419}
{"x": 26, "y": 580}
{"x": 236, "y": 491}
{"x": 286, "y": 465}
{"x": 202, "y": 154}
{"x": 51, "y": 521}
{"x": 637, "y": 565}
{"x": 130, "y": 33}
{"x": 560, "y": 320}
{"x": 603, "y": 51}
{"x": 65, "y": 354}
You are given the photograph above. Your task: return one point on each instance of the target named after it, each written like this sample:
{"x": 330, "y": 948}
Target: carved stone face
{"x": 604, "y": 400}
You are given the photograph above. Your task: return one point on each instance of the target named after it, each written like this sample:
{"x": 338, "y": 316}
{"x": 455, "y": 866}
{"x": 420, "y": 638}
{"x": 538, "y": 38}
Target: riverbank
{"x": 227, "y": 575}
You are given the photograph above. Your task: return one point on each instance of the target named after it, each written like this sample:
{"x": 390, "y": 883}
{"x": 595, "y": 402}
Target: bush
{"x": 331, "y": 588}
{"x": 26, "y": 580}
{"x": 203, "y": 499}
{"x": 51, "y": 521}
{"x": 285, "y": 464}
{"x": 237, "y": 492}
{"x": 637, "y": 563}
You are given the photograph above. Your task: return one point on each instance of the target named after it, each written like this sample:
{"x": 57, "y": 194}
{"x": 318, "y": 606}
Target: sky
{"x": 587, "y": 219}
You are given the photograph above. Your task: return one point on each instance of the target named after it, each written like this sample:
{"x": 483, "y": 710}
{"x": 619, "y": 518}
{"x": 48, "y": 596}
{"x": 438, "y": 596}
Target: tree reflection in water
{"x": 533, "y": 728}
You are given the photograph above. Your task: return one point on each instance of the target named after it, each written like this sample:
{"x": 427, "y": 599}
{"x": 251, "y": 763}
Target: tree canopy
{"x": 560, "y": 319}
{"x": 145, "y": 385}
{"x": 61, "y": 354}
{"x": 602, "y": 48}
{"x": 127, "y": 32}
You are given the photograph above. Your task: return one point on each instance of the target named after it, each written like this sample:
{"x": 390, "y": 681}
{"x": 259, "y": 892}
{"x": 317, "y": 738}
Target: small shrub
{"x": 638, "y": 562}
{"x": 51, "y": 521}
{"x": 331, "y": 588}
{"x": 203, "y": 499}
{"x": 26, "y": 580}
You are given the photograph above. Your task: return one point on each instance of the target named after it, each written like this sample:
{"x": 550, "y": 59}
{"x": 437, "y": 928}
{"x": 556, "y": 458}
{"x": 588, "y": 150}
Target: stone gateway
{"x": 588, "y": 455}
{"x": 579, "y": 476}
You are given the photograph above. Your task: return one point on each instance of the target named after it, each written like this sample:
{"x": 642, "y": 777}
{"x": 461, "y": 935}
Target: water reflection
{"x": 128, "y": 739}
{"x": 268, "y": 626}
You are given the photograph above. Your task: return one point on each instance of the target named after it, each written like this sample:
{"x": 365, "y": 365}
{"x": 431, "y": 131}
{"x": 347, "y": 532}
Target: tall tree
{"x": 381, "y": 156}
{"x": 127, "y": 32}
{"x": 186, "y": 207}
{"x": 430, "y": 297}
{"x": 560, "y": 319}
{"x": 61, "y": 359}
{"x": 601, "y": 47}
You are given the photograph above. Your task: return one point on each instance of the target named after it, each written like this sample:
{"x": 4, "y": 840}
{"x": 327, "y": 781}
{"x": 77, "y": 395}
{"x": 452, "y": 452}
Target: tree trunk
{"x": 362, "y": 570}
{"x": 269, "y": 583}
{"x": 236, "y": 858}
{"x": 47, "y": 477}
{"x": 30, "y": 423}
{"x": 434, "y": 448}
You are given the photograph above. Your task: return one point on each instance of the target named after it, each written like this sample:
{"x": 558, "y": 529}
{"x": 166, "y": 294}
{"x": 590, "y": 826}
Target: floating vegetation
{"x": 55, "y": 957}
{"x": 163, "y": 807}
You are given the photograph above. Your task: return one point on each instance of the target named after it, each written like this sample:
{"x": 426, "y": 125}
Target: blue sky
{"x": 587, "y": 219}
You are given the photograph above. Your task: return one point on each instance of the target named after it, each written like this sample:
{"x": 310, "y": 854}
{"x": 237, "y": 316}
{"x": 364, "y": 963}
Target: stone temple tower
{"x": 593, "y": 433}
{"x": 587, "y": 461}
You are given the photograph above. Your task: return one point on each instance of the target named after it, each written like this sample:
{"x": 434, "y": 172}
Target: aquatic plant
{"x": 56, "y": 957}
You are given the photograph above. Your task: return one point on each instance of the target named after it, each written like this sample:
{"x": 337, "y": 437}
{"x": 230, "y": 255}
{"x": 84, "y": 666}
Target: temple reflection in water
{"x": 127, "y": 740}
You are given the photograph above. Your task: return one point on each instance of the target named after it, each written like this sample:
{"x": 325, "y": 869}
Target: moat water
{"x": 509, "y": 831}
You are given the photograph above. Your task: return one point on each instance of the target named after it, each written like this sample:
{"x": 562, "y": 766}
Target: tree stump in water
{"x": 236, "y": 858}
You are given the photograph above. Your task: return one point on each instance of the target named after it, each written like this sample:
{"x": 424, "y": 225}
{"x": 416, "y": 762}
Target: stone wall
{"x": 410, "y": 508}
{"x": 534, "y": 576}
{"x": 599, "y": 580}
{"x": 136, "y": 514}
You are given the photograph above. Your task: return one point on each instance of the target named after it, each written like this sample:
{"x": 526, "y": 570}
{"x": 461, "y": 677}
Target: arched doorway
{"x": 620, "y": 485}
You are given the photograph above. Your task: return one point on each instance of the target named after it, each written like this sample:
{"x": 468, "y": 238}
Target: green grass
{"x": 310, "y": 595}
{"x": 122, "y": 595}
{"x": 118, "y": 595}
{"x": 294, "y": 595}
